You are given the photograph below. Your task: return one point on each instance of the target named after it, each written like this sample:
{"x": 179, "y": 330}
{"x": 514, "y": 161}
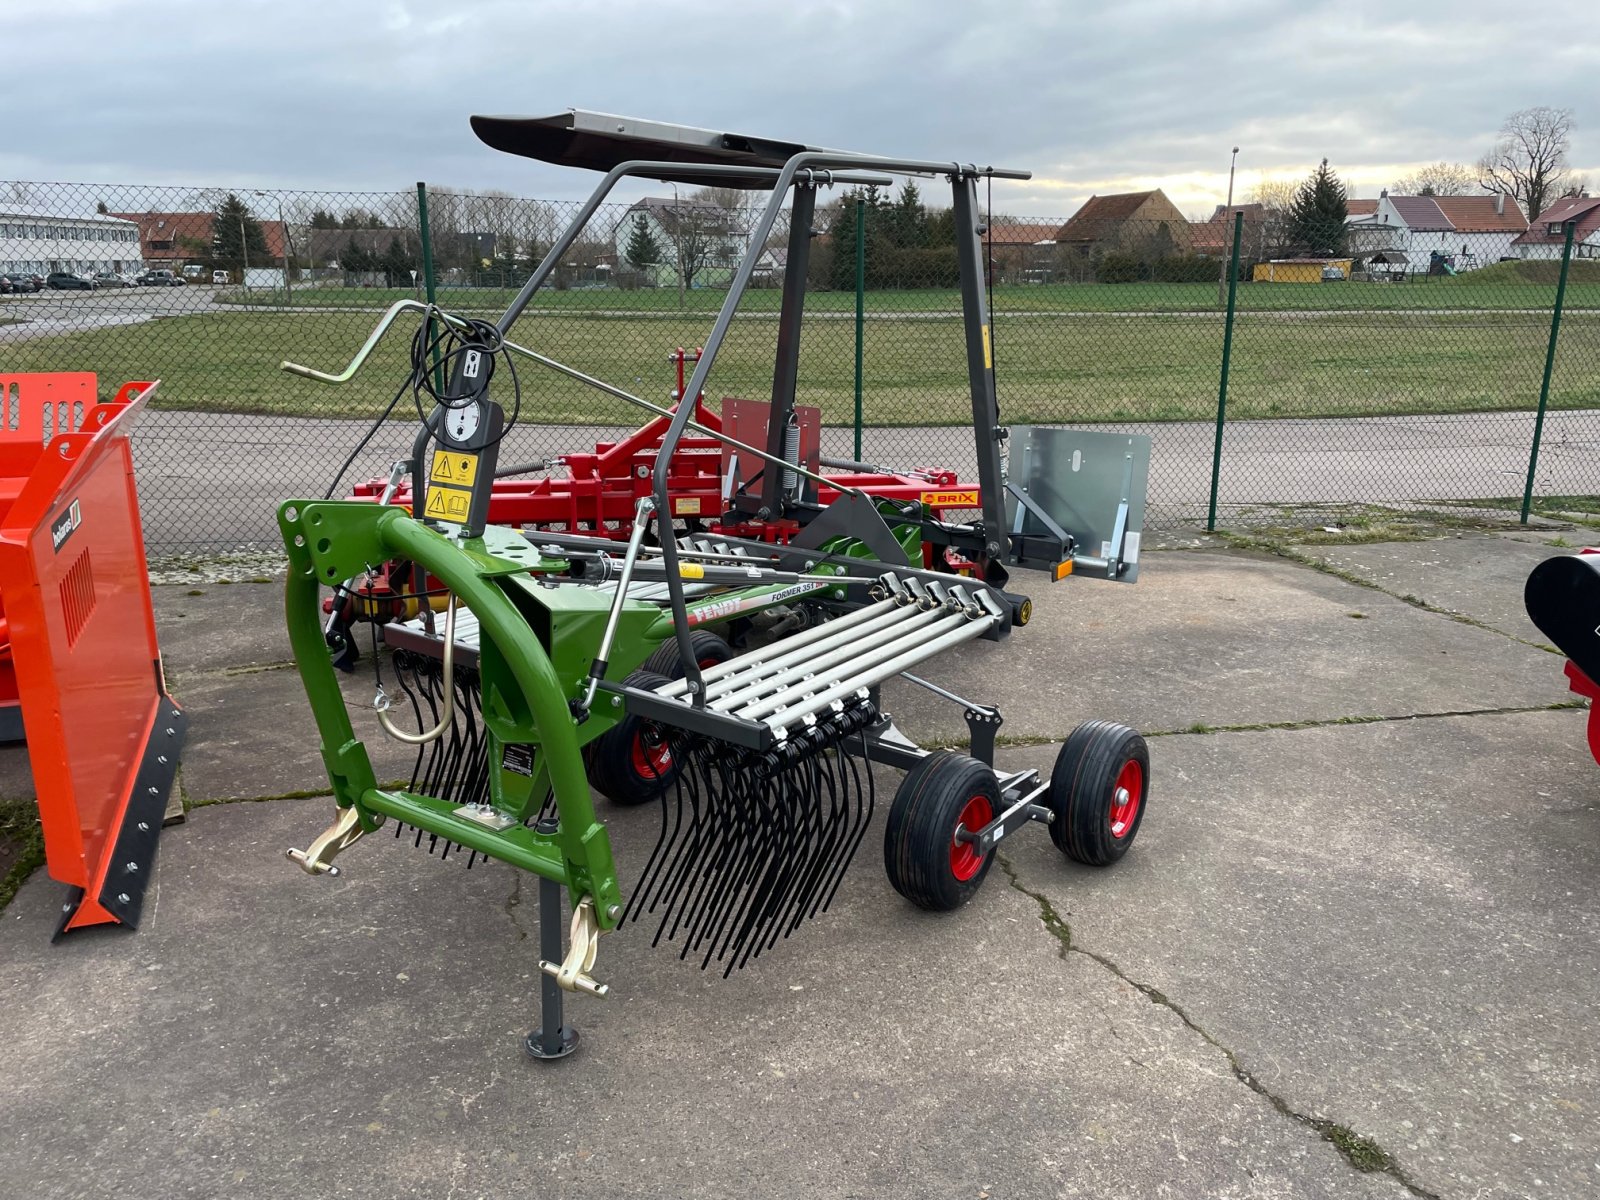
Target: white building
{"x": 706, "y": 239}
{"x": 1465, "y": 232}
{"x": 42, "y": 243}
{"x": 1547, "y": 237}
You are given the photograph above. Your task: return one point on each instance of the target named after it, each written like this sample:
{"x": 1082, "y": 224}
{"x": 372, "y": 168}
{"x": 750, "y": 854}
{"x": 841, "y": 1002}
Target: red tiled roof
{"x": 190, "y": 234}
{"x": 1421, "y": 213}
{"x": 1585, "y": 210}
{"x": 1100, "y": 213}
{"x": 1360, "y": 208}
{"x": 1476, "y": 214}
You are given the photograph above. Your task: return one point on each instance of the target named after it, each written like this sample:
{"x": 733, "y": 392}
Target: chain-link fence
{"x": 1406, "y": 370}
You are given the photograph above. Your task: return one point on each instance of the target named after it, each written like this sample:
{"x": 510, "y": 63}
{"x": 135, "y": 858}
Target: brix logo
{"x": 61, "y": 528}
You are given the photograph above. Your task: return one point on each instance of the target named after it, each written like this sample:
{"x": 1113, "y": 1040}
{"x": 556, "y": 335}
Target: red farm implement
{"x": 80, "y": 672}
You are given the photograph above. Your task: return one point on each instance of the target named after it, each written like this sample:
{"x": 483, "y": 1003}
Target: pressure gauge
{"x": 461, "y": 424}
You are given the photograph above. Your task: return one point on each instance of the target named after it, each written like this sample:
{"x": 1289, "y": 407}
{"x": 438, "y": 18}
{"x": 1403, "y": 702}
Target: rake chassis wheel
{"x": 709, "y": 650}
{"x": 633, "y": 762}
{"x": 941, "y": 796}
{"x": 1098, "y": 792}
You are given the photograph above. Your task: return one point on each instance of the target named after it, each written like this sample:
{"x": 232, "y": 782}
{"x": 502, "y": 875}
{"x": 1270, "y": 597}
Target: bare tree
{"x": 1529, "y": 160}
{"x": 1437, "y": 179}
{"x": 1276, "y": 197}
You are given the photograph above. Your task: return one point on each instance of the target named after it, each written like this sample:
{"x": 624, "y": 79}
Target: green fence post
{"x": 861, "y": 308}
{"x": 1549, "y": 367}
{"x": 1222, "y": 385}
{"x": 428, "y": 279}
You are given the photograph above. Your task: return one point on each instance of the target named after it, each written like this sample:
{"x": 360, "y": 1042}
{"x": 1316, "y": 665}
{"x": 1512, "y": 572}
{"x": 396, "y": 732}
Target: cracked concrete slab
{"x": 360, "y": 1036}
{"x": 1394, "y": 926}
{"x": 1390, "y": 926}
{"x": 1225, "y": 639}
{"x": 1480, "y": 577}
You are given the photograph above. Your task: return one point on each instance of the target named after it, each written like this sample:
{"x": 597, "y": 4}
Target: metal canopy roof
{"x": 599, "y": 141}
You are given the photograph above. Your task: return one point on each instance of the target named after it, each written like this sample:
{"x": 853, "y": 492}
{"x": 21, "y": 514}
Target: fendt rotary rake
{"x": 726, "y": 666}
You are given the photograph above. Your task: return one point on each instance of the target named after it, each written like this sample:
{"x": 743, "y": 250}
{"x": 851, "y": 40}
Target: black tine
{"x": 752, "y": 846}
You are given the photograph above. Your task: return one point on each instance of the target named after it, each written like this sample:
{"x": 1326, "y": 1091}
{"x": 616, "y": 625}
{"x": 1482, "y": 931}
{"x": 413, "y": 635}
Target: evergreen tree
{"x": 844, "y": 234}
{"x": 237, "y": 238}
{"x": 642, "y": 249}
{"x": 356, "y": 260}
{"x": 396, "y": 263}
{"x": 1317, "y": 214}
{"x": 323, "y": 219}
{"x": 908, "y": 220}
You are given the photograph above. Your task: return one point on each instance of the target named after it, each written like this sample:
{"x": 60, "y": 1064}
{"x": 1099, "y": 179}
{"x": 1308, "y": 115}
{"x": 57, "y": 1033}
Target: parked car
{"x": 110, "y": 279}
{"x": 33, "y": 277}
{"x": 66, "y": 281}
{"x": 161, "y": 277}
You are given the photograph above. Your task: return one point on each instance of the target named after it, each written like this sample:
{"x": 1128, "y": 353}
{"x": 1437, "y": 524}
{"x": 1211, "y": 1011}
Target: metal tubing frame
{"x": 962, "y": 177}
{"x": 786, "y": 717}
{"x": 801, "y": 643}
{"x": 745, "y": 698}
{"x": 579, "y": 855}
{"x": 980, "y": 365}
{"x": 786, "y": 367}
{"x": 889, "y": 644}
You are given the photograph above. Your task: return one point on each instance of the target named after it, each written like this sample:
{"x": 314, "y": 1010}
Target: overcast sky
{"x": 357, "y": 94}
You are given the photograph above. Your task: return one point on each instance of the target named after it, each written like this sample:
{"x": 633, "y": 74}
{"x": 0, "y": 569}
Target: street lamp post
{"x": 283, "y": 229}
{"x": 677, "y": 239}
{"x": 1227, "y": 213}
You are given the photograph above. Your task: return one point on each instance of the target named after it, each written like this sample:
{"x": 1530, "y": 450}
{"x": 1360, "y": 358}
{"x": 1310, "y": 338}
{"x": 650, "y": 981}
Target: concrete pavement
{"x": 1351, "y": 955}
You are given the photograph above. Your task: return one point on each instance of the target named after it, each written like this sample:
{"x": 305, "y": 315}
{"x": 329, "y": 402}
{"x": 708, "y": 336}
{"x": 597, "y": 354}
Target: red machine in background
{"x": 80, "y": 665}
{"x": 597, "y": 492}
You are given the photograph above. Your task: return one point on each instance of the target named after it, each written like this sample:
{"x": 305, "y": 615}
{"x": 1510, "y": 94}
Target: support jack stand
{"x": 552, "y": 1039}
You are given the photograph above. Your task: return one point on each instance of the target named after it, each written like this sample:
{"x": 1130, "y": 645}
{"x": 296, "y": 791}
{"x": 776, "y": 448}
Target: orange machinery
{"x": 80, "y": 671}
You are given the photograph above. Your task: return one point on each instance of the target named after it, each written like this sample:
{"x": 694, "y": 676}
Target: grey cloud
{"x": 369, "y": 94}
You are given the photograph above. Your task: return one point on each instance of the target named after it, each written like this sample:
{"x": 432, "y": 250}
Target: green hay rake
{"x": 730, "y": 671}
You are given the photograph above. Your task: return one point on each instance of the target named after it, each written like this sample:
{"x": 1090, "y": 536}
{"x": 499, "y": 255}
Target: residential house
{"x": 170, "y": 239}
{"x": 1547, "y": 236}
{"x": 1214, "y": 237}
{"x": 1142, "y": 223}
{"x": 1022, "y": 252}
{"x": 1465, "y": 232}
{"x": 1485, "y": 228}
{"x": 707, "y": 240}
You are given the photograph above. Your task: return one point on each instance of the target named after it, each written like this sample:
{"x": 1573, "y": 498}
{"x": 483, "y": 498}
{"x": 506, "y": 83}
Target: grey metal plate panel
{"x": 1080, "y": 477}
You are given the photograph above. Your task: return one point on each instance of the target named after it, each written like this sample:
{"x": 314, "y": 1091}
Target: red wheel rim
{"x": 1125, "y": 796}
{"x": 964, "y": 857}
{"x": 652, "y": 759}
{"x": 705, "y": 663}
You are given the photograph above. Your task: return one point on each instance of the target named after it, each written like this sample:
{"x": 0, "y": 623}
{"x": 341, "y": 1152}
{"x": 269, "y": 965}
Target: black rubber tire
{"x": 615, "y": 770}
{"x": 1083, "y": 790}
{"x": 919, "y": 837}
{"x": 709, "y": 649}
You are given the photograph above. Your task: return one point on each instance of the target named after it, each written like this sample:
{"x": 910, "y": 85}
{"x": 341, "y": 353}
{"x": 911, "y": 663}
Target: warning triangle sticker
{"x": 436, "y": 505}
{"x": 441, "y": 468}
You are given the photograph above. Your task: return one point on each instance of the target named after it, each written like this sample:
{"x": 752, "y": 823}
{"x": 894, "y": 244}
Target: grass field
{"x": 1510, "y": 285}
{"x": 1051, "y": 368}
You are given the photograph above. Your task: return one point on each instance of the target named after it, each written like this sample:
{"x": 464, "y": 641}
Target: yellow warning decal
{"x": 454, "y": 468}
{"x": 686, "y": 505}
{"x": 448, "y": 504}
{"x": 951, "y": 499}
{"x": 988, "y": 350}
